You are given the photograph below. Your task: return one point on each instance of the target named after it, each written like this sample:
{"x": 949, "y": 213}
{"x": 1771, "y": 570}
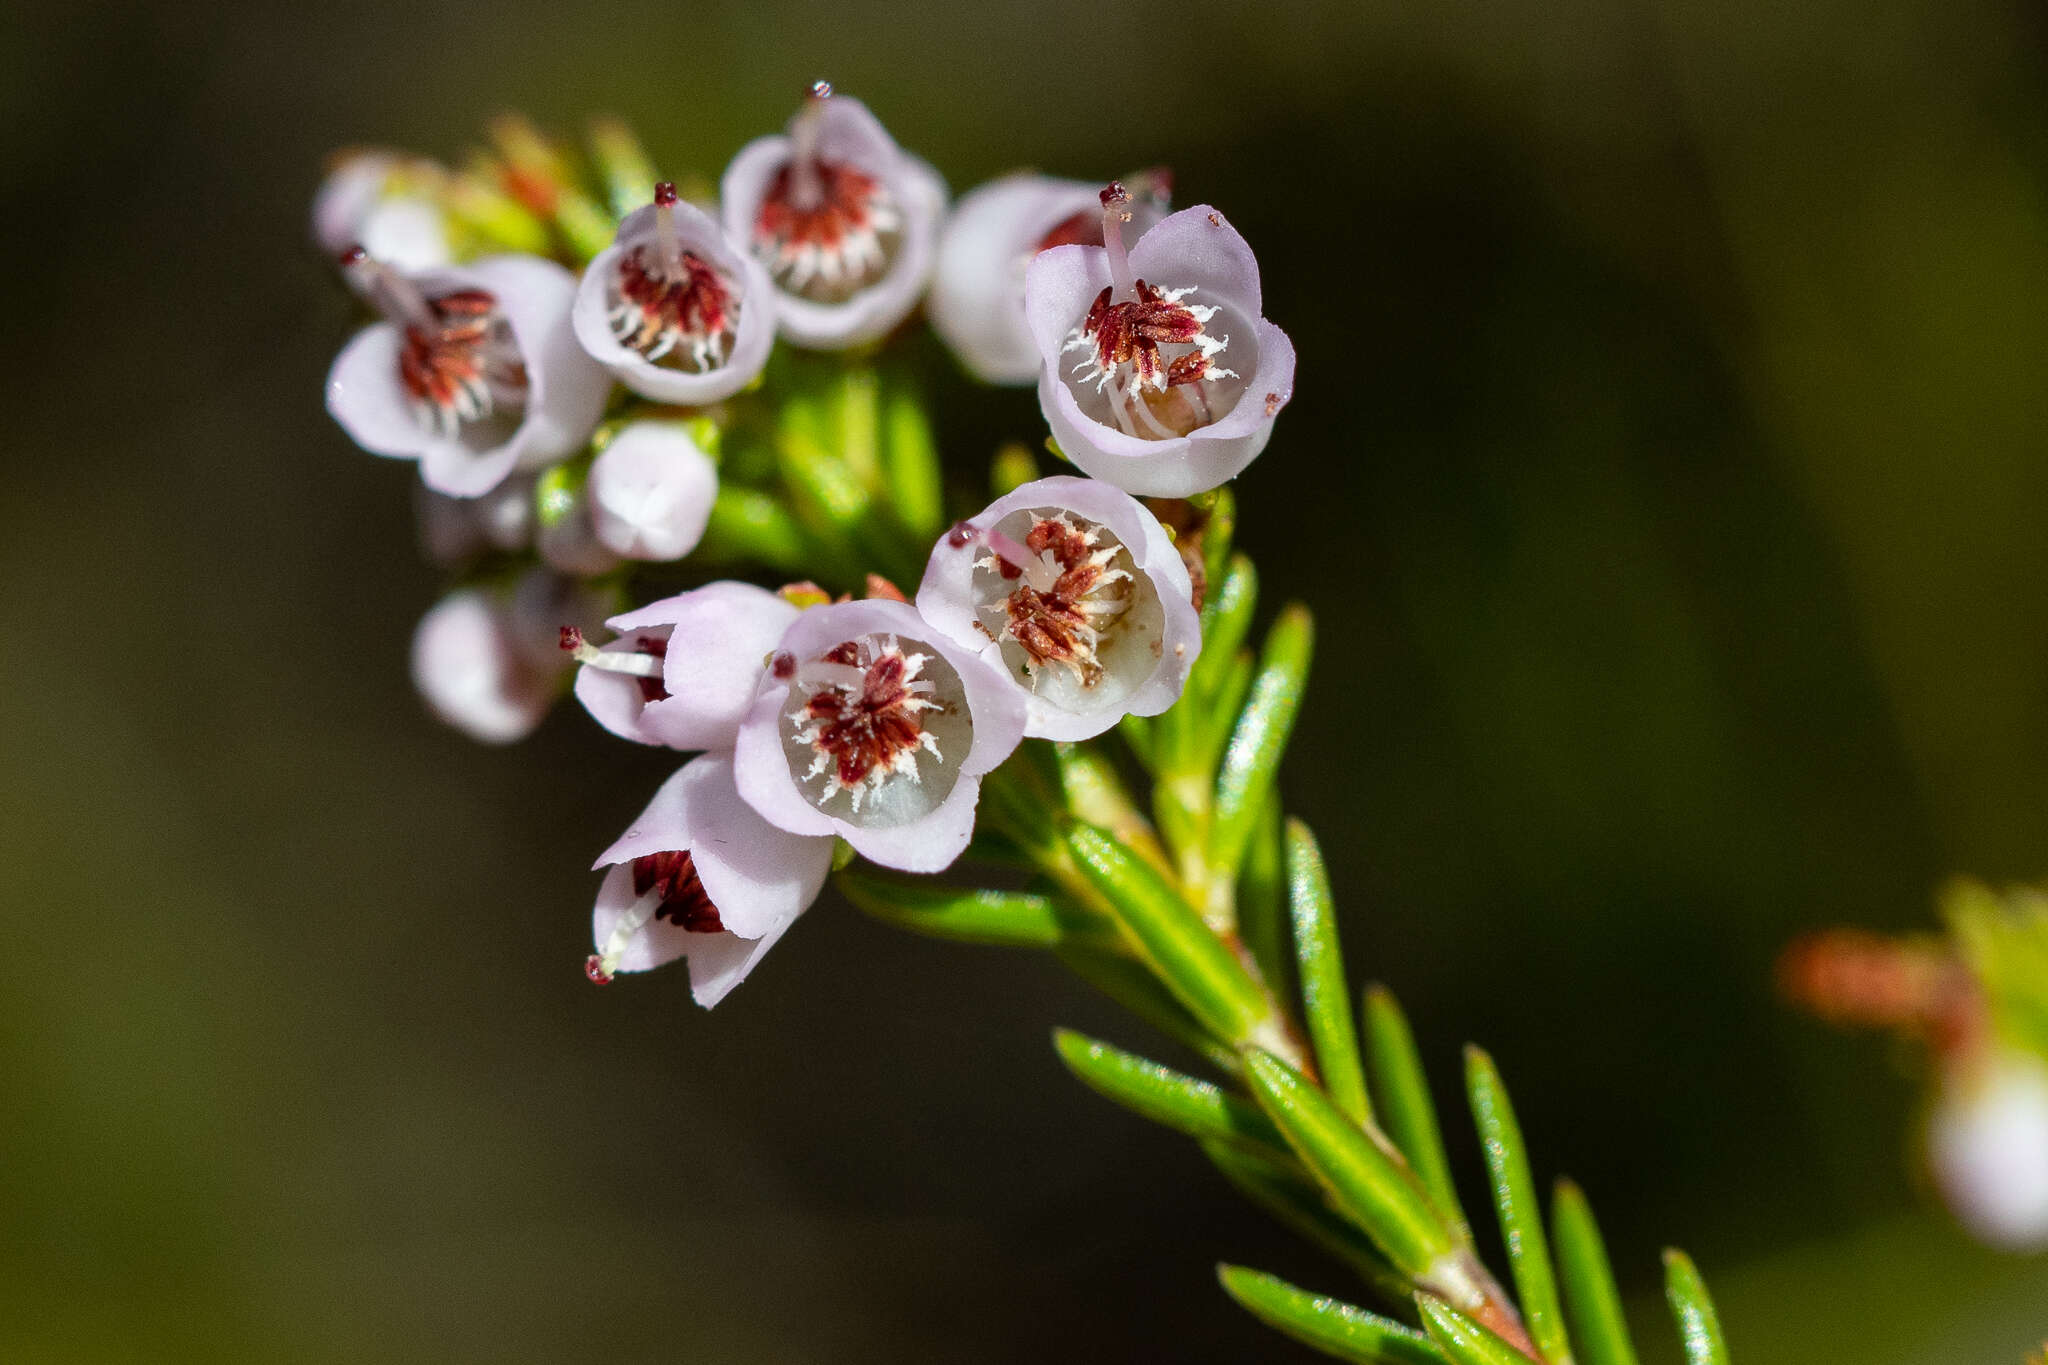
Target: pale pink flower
{"x": 383, "y": 201}
{"x": 1987, "y": 1141}
{"x": 650, "y": 492}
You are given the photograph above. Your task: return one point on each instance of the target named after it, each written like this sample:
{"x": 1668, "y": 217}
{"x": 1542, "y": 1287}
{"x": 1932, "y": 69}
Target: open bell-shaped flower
{"x": 650, "y": 490}
{"x": 1076, "y": 592}
{"x": 844, "y": 221}
{"x": 683, "y": 671}
{"x": 700, "y": 875}
{"x": 872, "y": 725}
{"x": 673, "y": 308}
{"x": 1158, "y": 372}
{"x": 474, "y": 372}
{"x": 383, "y": 201}
{"x": 990, "y": 239}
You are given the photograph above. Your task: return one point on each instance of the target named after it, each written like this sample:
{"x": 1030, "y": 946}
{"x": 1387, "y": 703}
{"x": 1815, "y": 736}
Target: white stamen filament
{"x": 392, "y": 294}
{"x": 632, "y": 662}
{"x": 806, "y": 189}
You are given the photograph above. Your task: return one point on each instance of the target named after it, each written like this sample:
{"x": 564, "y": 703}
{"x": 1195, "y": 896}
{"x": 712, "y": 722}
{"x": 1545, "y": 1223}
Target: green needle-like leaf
{"x": 622, "y": 164}
{"x": 1590, "y": 1293}
{"x": 910, "y": 463}
{"x": 1521, "y": 1216}
{"x": 1324, "y": 996}
{"x": 1226, "y": 620}
{"x": 1698, "y": 1324}
{"x": 1366, "y": 1179}
{"x": 1201, "y": 971}
{"x": 1251, "y": 762}
{"x": 1464, "y": 1341}
{"x": 1013, "y": 919}
{"x": 1405, "y": 1109}
{"x": 1131, "y": 984}
{"x": 1179, "y": 1101}
{"x": 1334, "y": 1328}
{"x": 1298, "y": 1205}
{"x": 1262, "y": 899}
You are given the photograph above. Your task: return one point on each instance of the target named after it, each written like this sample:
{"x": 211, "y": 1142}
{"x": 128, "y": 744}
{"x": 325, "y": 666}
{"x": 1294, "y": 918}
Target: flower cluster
{"x": 583, "y": 361}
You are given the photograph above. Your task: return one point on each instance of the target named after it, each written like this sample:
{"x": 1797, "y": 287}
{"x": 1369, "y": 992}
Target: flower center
{"x": 673, "y": 304}
{"x": 458, "y": 361}
{"x": 862, "y": 715}
{"x": 673, "y": 876}
{"x": 1143, "y": 347}
{"x": 1071, "y": 595}
{"x": 825, "y": 229}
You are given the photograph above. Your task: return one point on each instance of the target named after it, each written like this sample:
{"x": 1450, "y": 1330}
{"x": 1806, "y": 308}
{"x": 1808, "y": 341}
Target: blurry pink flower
{"x": 1987, "y": 1141}
{"x": 1076, "y": 592}
{"x": 673, "y": 308}
{"x": 700, "y": 875}
{"x": 1157, "y": 373}
{"x": 843, "y": 220}
{"x": 874, "y": 726}
{"x": 474, "y": 372}
{"x": 381, "y": 201}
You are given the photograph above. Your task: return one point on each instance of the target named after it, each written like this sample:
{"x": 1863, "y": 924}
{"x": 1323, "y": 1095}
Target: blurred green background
{"x": 1667, "y": 473}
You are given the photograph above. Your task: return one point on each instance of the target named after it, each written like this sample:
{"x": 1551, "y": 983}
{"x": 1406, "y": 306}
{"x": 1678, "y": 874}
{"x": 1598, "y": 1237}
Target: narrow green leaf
{"x": 1200, "y": 970}
{"x": 1220, "y": 533}
{"x": 1464, "y": 1341}
{"x": 1137, "y": 732}
{"x": 1226, "y": 620}
{"x": 1095, "y": 792}
{"x": 910, "y": 461}
{"x": 1366, "y": 1179}
{"x": 622, "y": 164}
{"x": 1185, "y": 1103}
{"x": 1131, "y": 984}
{"x": 857, "y": 422}
{"x": 1262, "y": 899}
{"x": 1332, "y": 1327}
{"x": 1698, "y": 1324}
{"x": 1251, "y": 763}
{"x": 1514, "y": 1196}
{"x": 1405, "y": 1109}
{"x": 1325, "y": 998}
{"x": 1298, "y": 1205}
{"x": 1210, "y": 727}
{"x": 971, "y": 914}
{"x": 1590, "y": 1293}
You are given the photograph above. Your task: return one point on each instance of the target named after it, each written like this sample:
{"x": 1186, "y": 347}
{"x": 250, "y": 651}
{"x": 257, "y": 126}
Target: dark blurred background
{"x": 1666, "y": 471}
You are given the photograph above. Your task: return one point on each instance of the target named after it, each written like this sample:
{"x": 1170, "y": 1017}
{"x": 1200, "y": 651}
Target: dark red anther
{"x": 572, "y": 638}
{"x": 962, "y": 535}
{"x": 665, "y": 193}
{"x": 1115, "y": 193}
{"x": 352, "y": 255}
{"x": 782, "y": 665}
{"x": 593, "y": 967}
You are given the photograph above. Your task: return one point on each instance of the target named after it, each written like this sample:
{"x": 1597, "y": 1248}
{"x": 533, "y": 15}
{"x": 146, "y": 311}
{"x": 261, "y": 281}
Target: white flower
{"x": 488, "y": 664}
{"x": 382, "y": 202}
{"x": 872, "y": 725}
{"x": 650, "y": 492}
{"x": 1987, "y": 1141}
{"x": 673, "y": 308}
{"x": 1074, "y": 590}
{"x": 1157, "y": 372}
{"x": 843, "y": 220}
{"x": 700, "y": 875}
{"x": 474, "y": 372}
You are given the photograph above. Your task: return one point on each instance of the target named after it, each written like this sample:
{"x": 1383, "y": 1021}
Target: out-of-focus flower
{"x": 384, "y": 202}
{"x": 683, "y": 671}
{"x": 1074, "y": 590}
{"x": 872, "y": 725}
{"x": 990, "y": 238}
{"x": 700, "y": 875}
{"x": 455, "y": 529}
{"x": 673, "y": 308}
{"x": 650, "y": 492}
{"x": 844, "y": 221}
{"x": 1158, "y": 372}
{"x": 566, "y": 525}
{"x": 1987, "y": 1141}
{"x": 474, "y": 663}
{"x": 474, "y": 372}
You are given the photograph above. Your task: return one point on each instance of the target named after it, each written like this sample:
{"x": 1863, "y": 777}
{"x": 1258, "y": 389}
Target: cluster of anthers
{"x": 1072, "y": 591}
{"x": 673, "y": 303}
{"x": 1139, "y": 343}
{"x": 861, "y": 712}
{"x": 825, "y": 227}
